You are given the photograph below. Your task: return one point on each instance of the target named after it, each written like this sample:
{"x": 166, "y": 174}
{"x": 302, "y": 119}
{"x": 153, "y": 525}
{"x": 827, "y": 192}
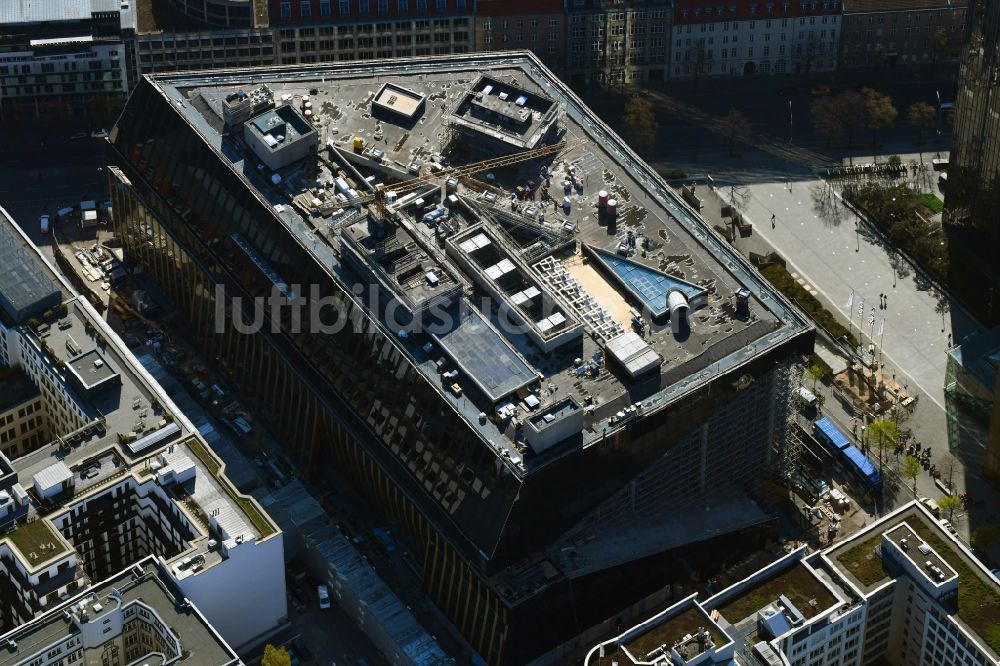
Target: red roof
{"x": 710, "y": 11}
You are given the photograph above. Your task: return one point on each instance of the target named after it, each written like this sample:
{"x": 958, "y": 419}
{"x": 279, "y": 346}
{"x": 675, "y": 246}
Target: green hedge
{"x": 778, "y": 276}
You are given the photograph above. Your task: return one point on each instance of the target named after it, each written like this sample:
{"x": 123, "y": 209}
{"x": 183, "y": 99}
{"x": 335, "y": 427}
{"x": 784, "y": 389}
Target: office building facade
{"x": 973, "y": 192}
{"x": 60, "y": 58}
{"x": 441, "y": 461}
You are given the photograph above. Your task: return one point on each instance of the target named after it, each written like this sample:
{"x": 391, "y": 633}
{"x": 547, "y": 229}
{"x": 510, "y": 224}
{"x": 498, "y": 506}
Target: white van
{"x": 804, "y": 397}
{"x": 43, "y": 223}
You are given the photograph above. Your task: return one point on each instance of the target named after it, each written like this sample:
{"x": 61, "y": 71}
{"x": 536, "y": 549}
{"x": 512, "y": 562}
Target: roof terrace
{"x": 797, "y": 583}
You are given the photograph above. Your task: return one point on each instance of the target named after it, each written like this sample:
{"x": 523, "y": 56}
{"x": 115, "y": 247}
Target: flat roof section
{"x": 797, "y": 583}
{"x": 26, "y": 289}
{"x": 679, "y": 628}
{"x": 399, "y": 100}
{"x": 919, "y": 553}
{"x": 92, "y": 369}
{"x": 483, "y": 355}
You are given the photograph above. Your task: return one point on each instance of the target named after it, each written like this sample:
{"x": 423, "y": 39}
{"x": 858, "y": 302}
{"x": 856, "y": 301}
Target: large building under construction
{"x": 539, "y": 363}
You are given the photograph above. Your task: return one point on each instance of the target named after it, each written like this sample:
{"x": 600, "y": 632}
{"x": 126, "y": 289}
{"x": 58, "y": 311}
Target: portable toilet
{"x": 359, "y": 144}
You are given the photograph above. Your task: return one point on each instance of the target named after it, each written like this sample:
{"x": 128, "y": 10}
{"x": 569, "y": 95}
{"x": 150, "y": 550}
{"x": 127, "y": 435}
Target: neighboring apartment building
{"x": 538, "y": 25}
{"x": 754, "y": 37}
{"x": 973, "y": 194}
{"x": 613, "y": 42}
{"x": 309, "y": 31}
{"x": 136, "y": 616}
{"x": 221, "y": 13}
{"x": 171, "y": 35}
{"x": 503, "y": 457}
{"x": 902, "y": 590}
{"x": 125, "y": 475}
{"x": 970, "y": 390}
{"x": 901, "y": 32}
{"x": 59, "y": 57}
{"x": 23, "y": 425}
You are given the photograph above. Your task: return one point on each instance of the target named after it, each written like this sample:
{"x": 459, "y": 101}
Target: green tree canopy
{"x": 949, "y": 503}
{"x": 922, "y": 116}
{"x": 881, "y": 111}
{"x": 275, "y": 656}
{"x": 911, "y": 470}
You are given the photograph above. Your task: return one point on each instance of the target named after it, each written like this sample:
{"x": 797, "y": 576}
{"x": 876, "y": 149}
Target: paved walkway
{"x": 822, "y": 243}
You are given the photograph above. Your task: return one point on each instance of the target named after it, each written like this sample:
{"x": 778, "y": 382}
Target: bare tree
{"x": 853, "y": 113}
{"x": 734, "y": 125}
{"x": 826, "y": 119}
{"x": 922, "y": 116}
{"x": 640, "y": 123}
{"x": 881, "y": 112}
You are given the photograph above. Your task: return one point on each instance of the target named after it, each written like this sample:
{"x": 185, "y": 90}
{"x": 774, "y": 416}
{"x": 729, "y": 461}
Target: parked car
{"x": 948, "y": 526}
{"x": 99, "y": 133}
{"x": 323, "y": 592}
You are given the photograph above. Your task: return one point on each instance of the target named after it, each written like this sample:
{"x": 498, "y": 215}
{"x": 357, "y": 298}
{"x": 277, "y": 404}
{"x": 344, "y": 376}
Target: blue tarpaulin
{"x": 863, "y": 466}
{"x": 831, "y": 435}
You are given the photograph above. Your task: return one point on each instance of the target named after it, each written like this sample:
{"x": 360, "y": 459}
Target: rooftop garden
{"x": 36, "y": 537}
{"x": 248, "y": 506}
{"x": 797, "y": 583}
{"x": 673, "y": 630}
{"x": 862, "y": 562}
{"x": 978, "y": 599}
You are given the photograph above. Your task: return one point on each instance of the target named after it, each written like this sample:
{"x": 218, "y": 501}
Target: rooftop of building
{"x": 131, "y": 422}
{"x": 675, "y": 631}
{"x": 163, "y": 16}
{"x": 977, "y": 603}
{"x": 26, "y": 289}
{"x": 16, "y": 388}
{"x": 44, "y": 11}
{"x": 874, "y": 6}
{"x": 797, "y": 583}
{"x": 143, "y": 583}
{"x": 678, "y": 243}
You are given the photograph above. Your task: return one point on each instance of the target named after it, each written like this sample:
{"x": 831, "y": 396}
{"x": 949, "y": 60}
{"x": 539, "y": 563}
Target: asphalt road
{"x": 42, "y": 170}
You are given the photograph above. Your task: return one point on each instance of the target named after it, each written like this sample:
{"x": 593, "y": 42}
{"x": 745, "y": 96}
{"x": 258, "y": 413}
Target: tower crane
{"x": 461, "y": 172}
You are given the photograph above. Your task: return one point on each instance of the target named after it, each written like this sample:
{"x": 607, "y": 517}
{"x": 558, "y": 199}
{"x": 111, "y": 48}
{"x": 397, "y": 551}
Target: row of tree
{"x": 842, "y": 116}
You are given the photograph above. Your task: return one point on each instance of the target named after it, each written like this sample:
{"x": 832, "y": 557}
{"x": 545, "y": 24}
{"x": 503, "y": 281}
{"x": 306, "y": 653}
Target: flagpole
{"x": 850, "y": 317}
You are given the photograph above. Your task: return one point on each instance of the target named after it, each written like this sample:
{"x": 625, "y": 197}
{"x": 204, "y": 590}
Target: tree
{"x": 922, "y": 116}
{"x": 640, "y": 123}
{"x": 911, "y": 470}
{"x": 735, "y": 125}
{"x": 949, "y": 503}
{"x": 885, "y": 433}
{"x": 853, "y": 112}
{"x": 817, "y": 372}
{"x": 942, "y": 45}
{"x": 275, "y": 656}
{"x": 881, "y": 112}
{"x": 826, "y": 119}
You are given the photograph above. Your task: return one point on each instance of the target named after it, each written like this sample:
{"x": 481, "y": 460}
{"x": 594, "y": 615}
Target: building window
{"x": 364, "y": 7}
{"x": 403, "y": 6}
{"x": 421, "y": 5}
{"x": 442, "y": 5}
{"x": 305, "y": 9}
{"x": 286, "y": 10}
{"x": 383, "y": 7}
{"x": 324, "y": 7}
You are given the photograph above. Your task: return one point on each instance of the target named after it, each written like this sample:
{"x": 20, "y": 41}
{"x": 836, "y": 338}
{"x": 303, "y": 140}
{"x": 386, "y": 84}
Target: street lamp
{"x": 857, "y": 234}
{"x": 789, "y": 121}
